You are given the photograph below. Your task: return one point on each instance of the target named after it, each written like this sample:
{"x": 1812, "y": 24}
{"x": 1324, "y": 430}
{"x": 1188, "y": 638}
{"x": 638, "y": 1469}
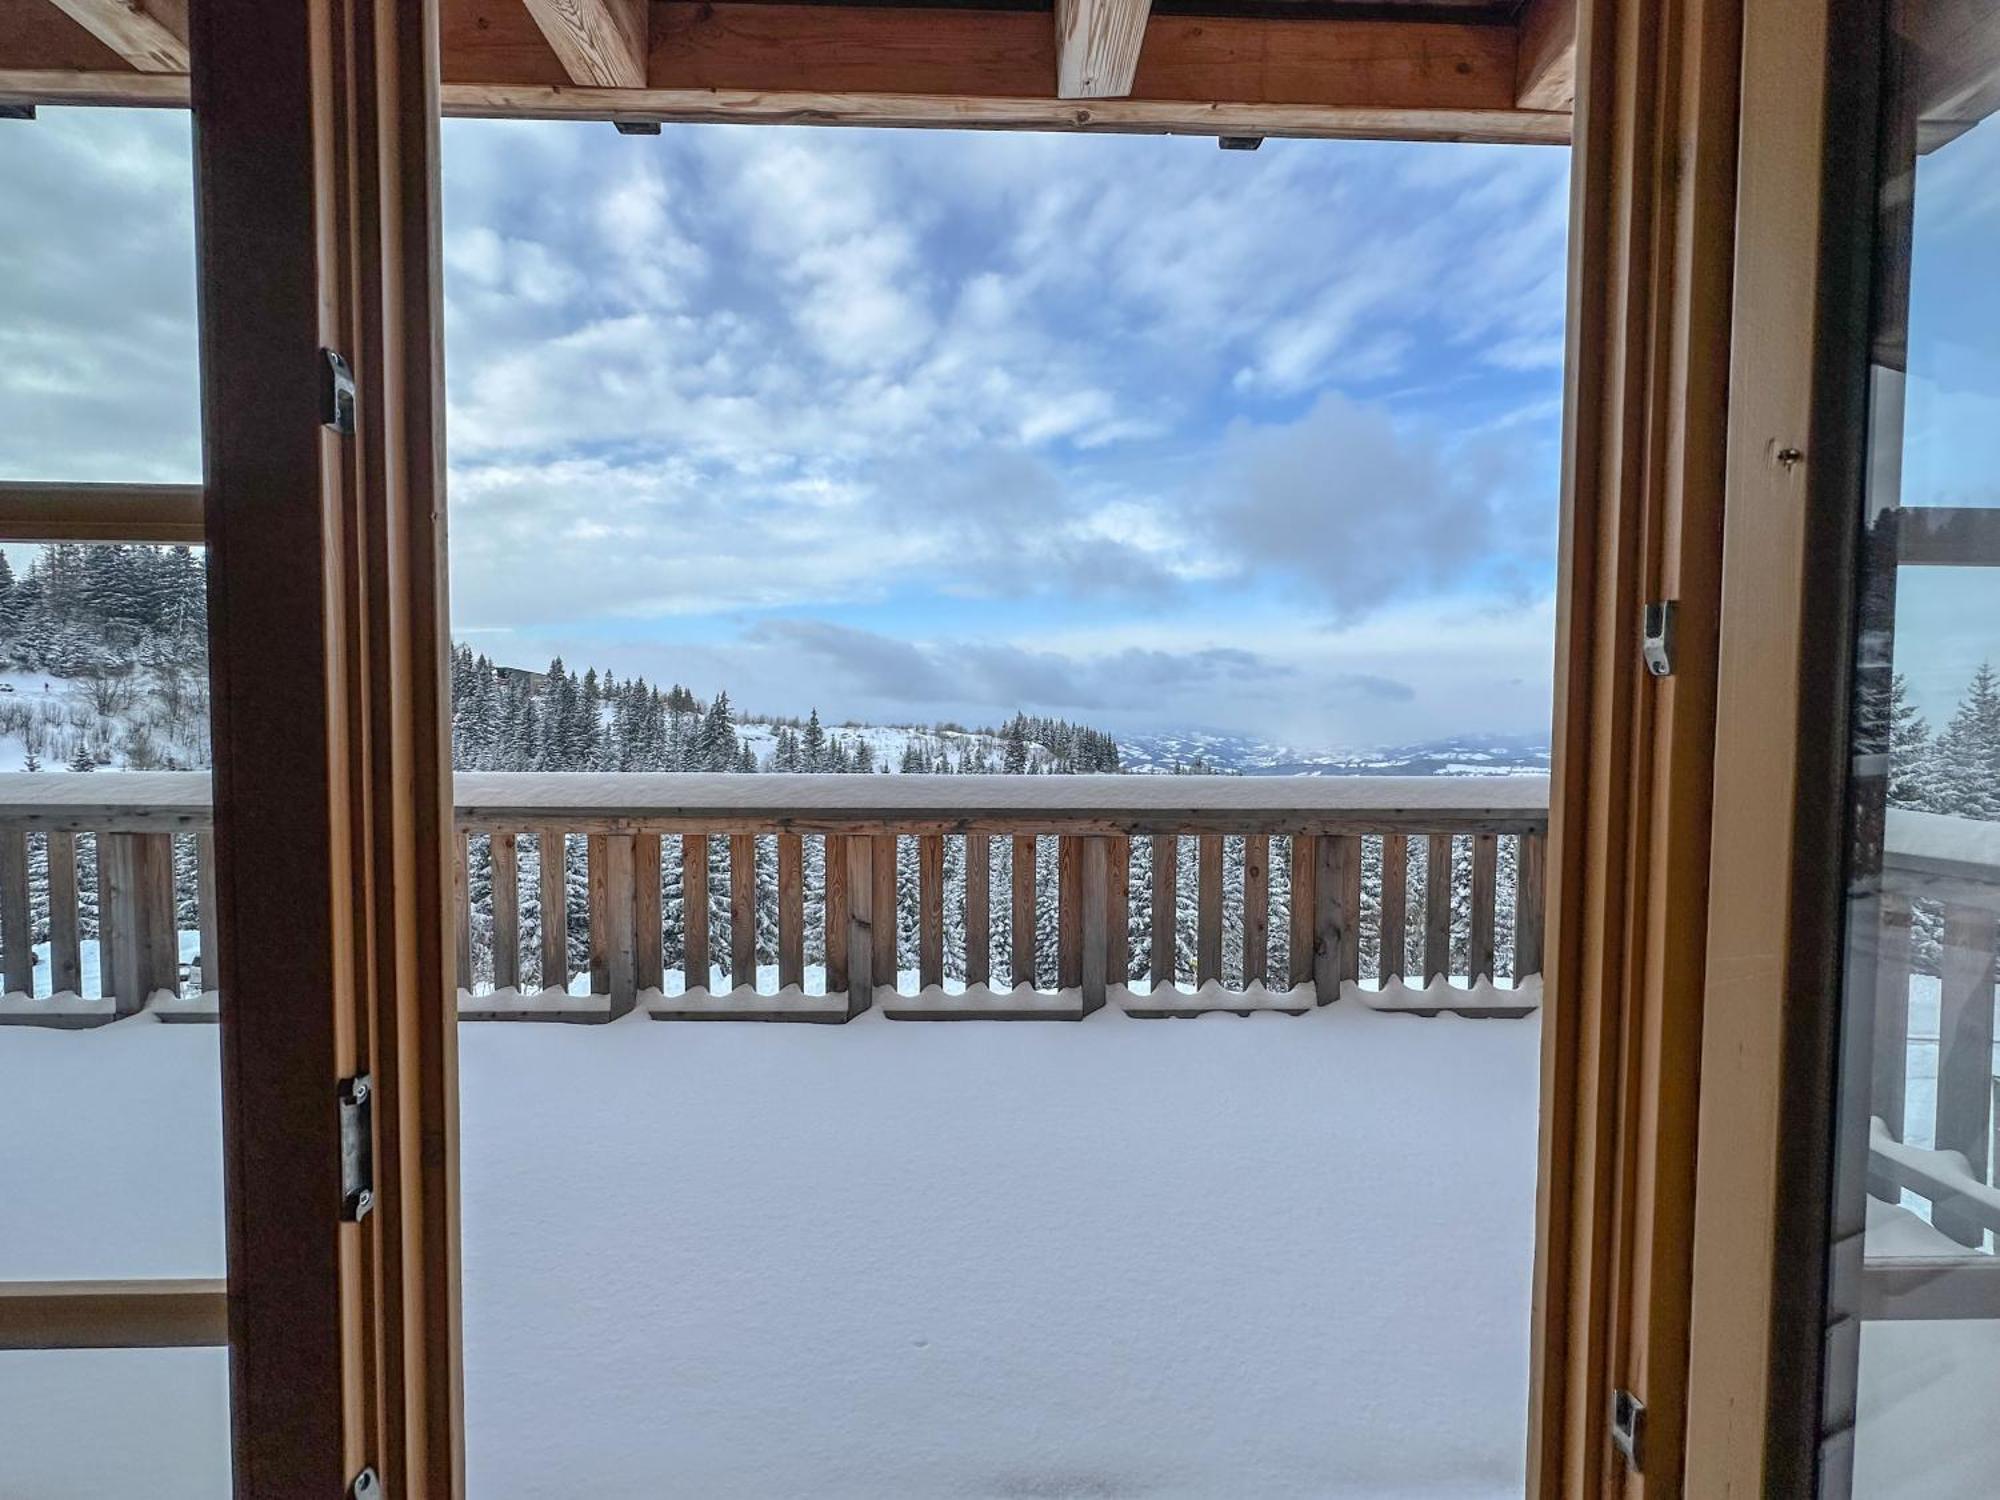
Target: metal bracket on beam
{"x": 1239, "y": 142}
{"x": 637, "y": 127}
{"x": 17, "y": 111}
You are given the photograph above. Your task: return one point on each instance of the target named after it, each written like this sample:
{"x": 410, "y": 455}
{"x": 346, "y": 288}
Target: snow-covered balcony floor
{"x": 1275, "y": 1256}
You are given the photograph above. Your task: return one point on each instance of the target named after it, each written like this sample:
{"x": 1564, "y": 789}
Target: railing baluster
{"x": 506, "y": 885}
{"x": 1965, "y": 1051}
{"x": 1093, "y": 860}
{"x": 136, "y": 885}
{"x": 1395, "y": 907}
{"x": 1485, "y": 891}
{"x": 1336, "y": 886}
{"x": 743, "y": 911}
{"x": 614, "y": 967}
{"x": 1299, "y": 956}
{"x": 860, "y": 923}
{"x": 882, "y": 903}
{"x": 1208, "y": 910}
{"x": 1165, "y": 964}
{"x": 791, "y": 911}
{"x": 930, "y": 911}
{"x": 1117, "y": 909}
{"x": 204, "y": 868}
{"x": 1437, "y": 906}
{"x": 1069, "y": 913}
{"x": 695, "y": 965}
{"x": 17, "y": 933}
{"x": 1891, "y": 1055}
{"x": 1256, "y": 908}
{"x": 1021, "y": 914}
{"x": 1530, "y": 901}
{"x": 837, "y": 912}
{"x": 552, "y": 882}
{"x": 978, "y": 909}
{"x": 66, "y": 951}
{"x": 461, "y": 901}
{"x": 646, "y": 900}
{"x": 109, "y": 940}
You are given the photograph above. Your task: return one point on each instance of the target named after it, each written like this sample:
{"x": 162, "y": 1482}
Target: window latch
{"x": 1657, "y": 638}
{"x": 357, "y": 1148}
{"x": 1628, "y": 1429}
{"x": 336, "y": 395}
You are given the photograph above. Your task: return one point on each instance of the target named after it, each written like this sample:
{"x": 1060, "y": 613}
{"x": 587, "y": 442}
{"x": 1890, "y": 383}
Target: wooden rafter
{"x": 1097, "y": 46}
{"x": 1545, "y": 68}
{"x": 600, "y": 43}
{"x": 1267, "y": 74}
{"x": 150, "y": 35}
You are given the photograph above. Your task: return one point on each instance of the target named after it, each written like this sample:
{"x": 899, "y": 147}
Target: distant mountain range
{"x": 1458, "y": 755}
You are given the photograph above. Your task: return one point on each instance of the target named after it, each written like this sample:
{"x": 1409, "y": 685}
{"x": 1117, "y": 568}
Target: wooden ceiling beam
{"x": 937, "y": 67}
{"x": 1545, "y": 72}
{"x": 1097, "y": 46}
{"x": 150, "y": 35}
{"x": 600, "y": 43}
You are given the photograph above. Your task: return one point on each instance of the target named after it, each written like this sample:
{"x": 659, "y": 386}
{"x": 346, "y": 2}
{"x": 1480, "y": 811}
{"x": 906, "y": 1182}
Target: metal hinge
{"x": 1657, "y": 639}
{"x": 366, "y": 1486}
{"x": 1628, "y": 1429}
{"x": 336, "y": 395}
{"x": 357, "y": 1148}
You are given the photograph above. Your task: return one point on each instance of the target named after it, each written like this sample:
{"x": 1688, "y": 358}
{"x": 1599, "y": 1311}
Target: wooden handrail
{"x": 1264, "y": 893}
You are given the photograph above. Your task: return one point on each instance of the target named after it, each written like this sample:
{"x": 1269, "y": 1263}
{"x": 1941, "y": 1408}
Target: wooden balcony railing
{"x": 814, "y": 897}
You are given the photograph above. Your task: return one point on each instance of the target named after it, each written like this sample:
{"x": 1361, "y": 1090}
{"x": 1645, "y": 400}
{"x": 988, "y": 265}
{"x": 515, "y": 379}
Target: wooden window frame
{"x": 1679, "y": 805}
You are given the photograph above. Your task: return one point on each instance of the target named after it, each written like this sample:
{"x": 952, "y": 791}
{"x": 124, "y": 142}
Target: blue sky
{"x": 913, "y": 425}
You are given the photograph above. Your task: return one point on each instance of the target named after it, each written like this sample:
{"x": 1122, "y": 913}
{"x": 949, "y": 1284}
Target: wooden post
{"x": 882, "y": 927}
{"x": 1437, "y": 906}
{"x": 1208, "y": 910}
{"x": 109, "y": 940}
{"x": 1889, "y": 1054}
{"x": 66, "y": 951}
{"x": 1021, "y": 914}
{"x": 1299, "y": 959}
{"x": 1117, "y": 909}
{"x": 743, "y": 911}
{"x": 930, "y": 911}
{"x": 17, "y": 933}
{"x": 836, "y": 913}
{"x": 1093, "y": 927}
{"x": 1965, "y": 1051}
{"x": 1069, "y": 915}
{"x": 614, "y": 966}
{"x": 791, "y": 911}
{"x": 1165, "y": 963}
{"x": 1390, "y": 959}
{"x": 978, "y": 909}
{"x": 1256, "y": 908}
{"x": 136, "y": 886}
{"x": 860, "y": 924}
{"x": 695, "y": 965}
{"x": 1335, "y": 885}
{"x": 1530, "y": 901}
{"x": 646, "y": 921}
{"x": 1485, "y": 892}
{"x": 506, "y": 913}
{"x": 553, "y": 882}
{"x": 461, "y": 904}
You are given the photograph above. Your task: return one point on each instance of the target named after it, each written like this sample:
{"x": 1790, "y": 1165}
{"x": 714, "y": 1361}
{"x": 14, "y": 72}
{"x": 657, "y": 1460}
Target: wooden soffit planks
{"x": 1437, "y": 75}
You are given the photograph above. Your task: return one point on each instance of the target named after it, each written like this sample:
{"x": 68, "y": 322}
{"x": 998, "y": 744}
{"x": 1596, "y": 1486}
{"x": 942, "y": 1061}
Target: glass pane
{"x": 1914, "y": 1344}
{"x": 98, "y": 377}
{"x": 106, "y": 1424}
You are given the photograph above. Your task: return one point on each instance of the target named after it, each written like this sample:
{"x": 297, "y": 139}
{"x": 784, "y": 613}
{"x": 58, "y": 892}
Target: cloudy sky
{"x": 911, "y": 425}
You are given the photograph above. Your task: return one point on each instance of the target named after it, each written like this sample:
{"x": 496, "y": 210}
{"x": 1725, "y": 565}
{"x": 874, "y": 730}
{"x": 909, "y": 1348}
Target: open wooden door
{"x": 317, "y": 213}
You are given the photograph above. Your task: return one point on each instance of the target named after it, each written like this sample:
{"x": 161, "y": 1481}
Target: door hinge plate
{"x": 1628, "y": 1429}
{"x": 357, "y": 1148}
{"x": 336, "y": 394}
{"x": 366, "y": 1486}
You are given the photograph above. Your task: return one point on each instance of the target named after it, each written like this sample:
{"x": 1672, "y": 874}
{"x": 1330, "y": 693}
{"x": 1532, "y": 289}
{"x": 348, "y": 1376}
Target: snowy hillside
{"x": 1244, "y": 755}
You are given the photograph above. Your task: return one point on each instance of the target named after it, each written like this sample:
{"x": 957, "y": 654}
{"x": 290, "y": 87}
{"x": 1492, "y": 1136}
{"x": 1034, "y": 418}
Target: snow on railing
{"x": 815, "y": 897}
